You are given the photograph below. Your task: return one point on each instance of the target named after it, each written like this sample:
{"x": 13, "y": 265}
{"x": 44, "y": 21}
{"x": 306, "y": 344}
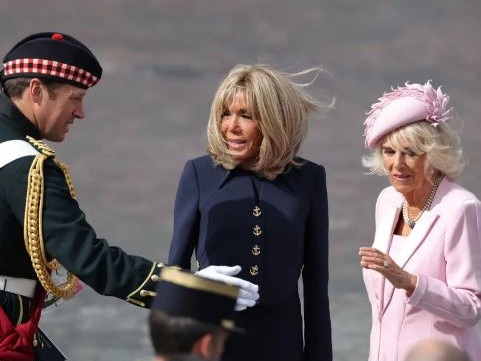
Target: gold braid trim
{"x": 68, "y": 178}
{"x": 33, "y": 230}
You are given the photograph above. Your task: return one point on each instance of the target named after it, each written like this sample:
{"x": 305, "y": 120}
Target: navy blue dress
{"x": 277, "y": 231}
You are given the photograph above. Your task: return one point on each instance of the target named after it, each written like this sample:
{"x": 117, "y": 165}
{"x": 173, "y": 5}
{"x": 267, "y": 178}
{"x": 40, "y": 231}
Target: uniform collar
{"x": 15, "y": 119}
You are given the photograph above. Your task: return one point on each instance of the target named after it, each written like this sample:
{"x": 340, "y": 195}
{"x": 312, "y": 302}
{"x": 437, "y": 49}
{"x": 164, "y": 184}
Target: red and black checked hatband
{"x": 50, "y": 68}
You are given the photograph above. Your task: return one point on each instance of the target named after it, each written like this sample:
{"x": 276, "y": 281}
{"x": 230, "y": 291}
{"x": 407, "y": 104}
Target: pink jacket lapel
{"x": 413, "y": 241}
{"x": 382, "y": 241}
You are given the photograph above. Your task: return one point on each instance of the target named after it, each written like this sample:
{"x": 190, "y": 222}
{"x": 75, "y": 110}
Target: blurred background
{"x": 163, "y": 60}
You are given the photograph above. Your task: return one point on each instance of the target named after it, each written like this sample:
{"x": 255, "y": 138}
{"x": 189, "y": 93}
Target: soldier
{"x": 43, "y": 232}
{"x": 192, "y": 316}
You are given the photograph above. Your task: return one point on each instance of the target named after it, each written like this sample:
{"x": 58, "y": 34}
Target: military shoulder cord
{"x": 33, "y": 230}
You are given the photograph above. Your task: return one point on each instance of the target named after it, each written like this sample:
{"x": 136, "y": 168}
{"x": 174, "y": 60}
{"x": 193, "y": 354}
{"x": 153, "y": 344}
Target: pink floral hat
{"x": 405, "y": 105}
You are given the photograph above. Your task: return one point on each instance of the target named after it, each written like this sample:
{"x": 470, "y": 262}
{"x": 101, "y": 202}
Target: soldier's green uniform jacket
{"x": 67, "y": 236}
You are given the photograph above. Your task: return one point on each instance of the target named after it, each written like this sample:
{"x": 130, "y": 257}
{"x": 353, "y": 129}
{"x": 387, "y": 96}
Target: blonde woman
{"x": 253, "y": 202}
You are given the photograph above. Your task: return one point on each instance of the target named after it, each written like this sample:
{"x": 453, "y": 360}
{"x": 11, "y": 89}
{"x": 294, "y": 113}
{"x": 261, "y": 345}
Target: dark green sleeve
{"x": 70, "y": 239}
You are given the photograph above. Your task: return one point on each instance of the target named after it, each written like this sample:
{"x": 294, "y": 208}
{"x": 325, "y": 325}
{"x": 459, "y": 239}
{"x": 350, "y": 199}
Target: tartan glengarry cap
{"x": 54, "y": 56}
{"x": 182, "y": 294}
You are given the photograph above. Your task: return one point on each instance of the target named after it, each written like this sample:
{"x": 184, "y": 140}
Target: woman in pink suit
{"x": 423, "y": 272}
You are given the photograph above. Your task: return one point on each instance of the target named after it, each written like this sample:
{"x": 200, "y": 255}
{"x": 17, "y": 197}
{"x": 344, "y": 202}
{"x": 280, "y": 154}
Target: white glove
{"x": 248, "y": 292}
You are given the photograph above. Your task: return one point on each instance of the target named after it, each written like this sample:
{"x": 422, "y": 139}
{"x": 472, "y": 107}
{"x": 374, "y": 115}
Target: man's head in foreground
{"x": 191, "y": 314}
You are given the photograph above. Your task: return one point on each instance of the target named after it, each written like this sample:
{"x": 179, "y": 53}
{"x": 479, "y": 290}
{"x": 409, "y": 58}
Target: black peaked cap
{"x": 182, "y": 294}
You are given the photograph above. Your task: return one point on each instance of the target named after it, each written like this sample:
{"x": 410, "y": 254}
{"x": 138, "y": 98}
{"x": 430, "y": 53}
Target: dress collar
{"x": 281, "y": 179}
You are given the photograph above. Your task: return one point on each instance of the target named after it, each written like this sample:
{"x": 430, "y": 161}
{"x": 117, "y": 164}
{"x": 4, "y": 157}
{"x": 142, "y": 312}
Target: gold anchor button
{"x": 256, "y": 212}
{"x": 257, "y": 231}
{"x": 256, "y": 250}
{"x": 254, "y": 271}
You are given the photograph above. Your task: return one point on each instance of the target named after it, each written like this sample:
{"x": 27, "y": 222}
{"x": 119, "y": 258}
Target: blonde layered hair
{"x": 441, "y": 144}
{"x": 281, "y": 107}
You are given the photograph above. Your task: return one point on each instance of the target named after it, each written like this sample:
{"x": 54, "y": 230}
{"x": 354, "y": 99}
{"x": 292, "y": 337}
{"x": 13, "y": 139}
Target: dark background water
{"x": 163, "y": 60}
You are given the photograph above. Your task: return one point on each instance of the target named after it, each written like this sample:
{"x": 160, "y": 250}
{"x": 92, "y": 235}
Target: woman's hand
{"x": 372, "y": 258}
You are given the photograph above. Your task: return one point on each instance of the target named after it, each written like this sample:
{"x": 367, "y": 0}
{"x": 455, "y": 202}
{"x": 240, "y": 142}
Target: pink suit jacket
{"x": 444, "y": 251}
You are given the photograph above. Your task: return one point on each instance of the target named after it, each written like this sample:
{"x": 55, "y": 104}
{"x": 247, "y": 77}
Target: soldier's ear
{"x": 36, "y": 90}
{"x": 204, "y": 346}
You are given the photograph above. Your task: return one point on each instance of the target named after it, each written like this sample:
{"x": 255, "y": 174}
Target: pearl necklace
{"x": 412, "y": 222}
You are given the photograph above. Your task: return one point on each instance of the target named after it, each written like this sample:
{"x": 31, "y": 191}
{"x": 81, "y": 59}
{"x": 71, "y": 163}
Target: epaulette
{"x": 41, "y": 146}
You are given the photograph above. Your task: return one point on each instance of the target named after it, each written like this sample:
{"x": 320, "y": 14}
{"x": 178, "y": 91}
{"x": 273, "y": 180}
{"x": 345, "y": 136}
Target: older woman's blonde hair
{"x": 441, "y": 144}
{"x": 281, "y": 108}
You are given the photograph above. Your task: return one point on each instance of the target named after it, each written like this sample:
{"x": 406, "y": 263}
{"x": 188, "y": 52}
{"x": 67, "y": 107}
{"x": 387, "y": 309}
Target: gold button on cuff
{"x": 145, "y": 293}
